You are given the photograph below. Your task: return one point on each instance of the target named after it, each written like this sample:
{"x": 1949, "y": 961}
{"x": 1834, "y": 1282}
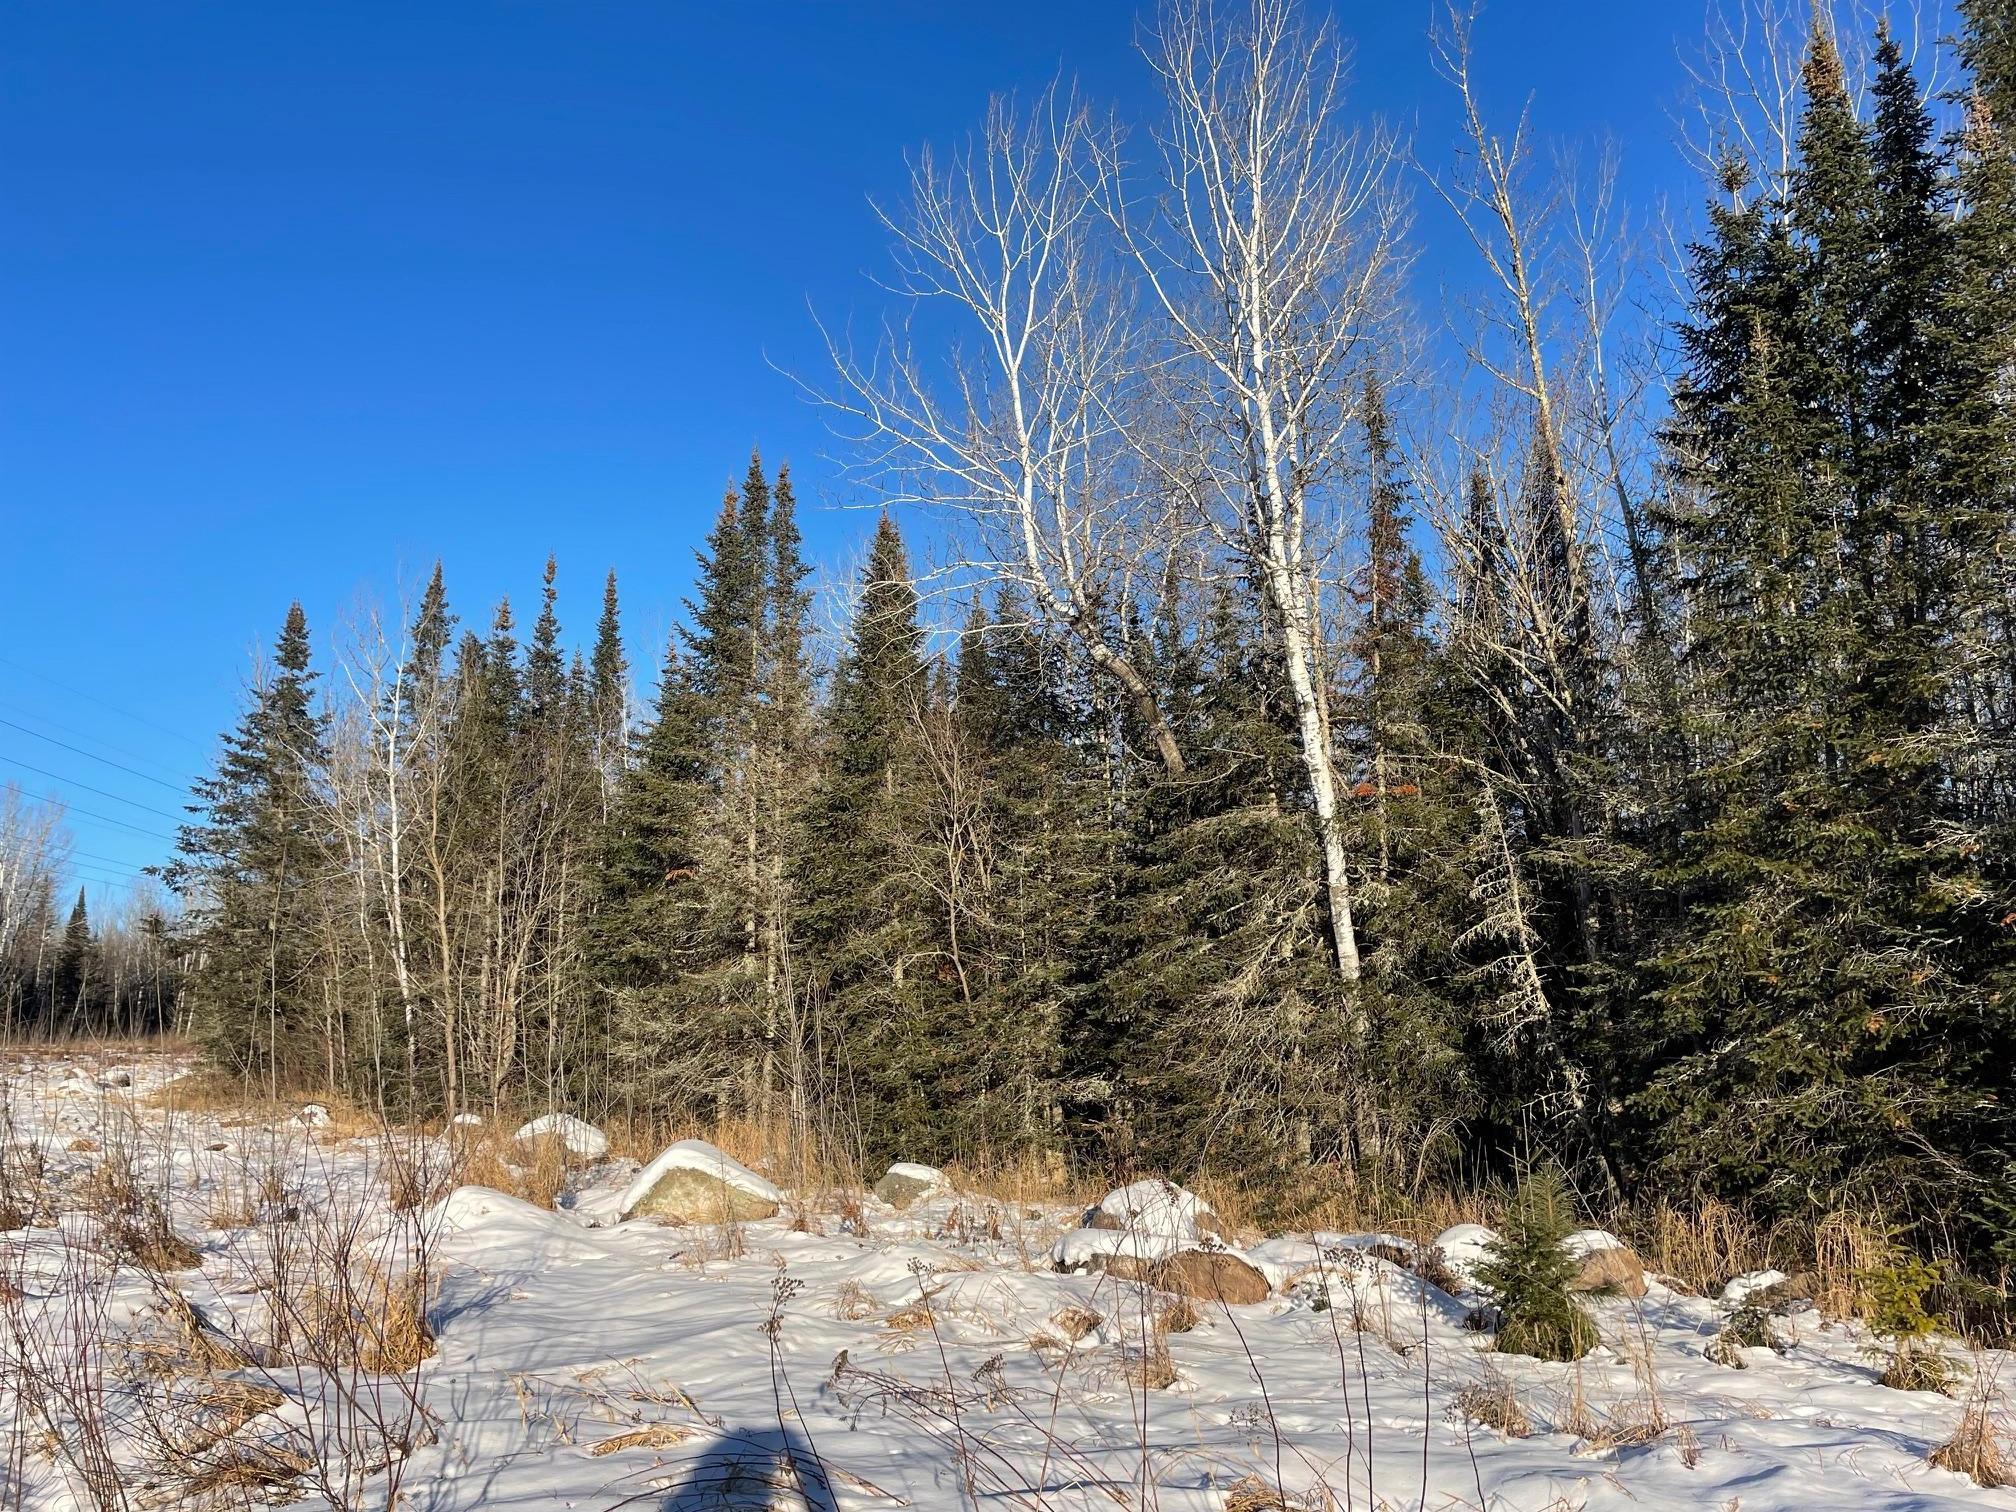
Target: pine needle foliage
{"x": 1528, "y": 1273}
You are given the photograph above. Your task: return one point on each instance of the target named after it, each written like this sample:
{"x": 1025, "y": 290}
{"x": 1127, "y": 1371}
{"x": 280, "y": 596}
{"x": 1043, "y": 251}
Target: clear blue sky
{"x": 295, "y": 298}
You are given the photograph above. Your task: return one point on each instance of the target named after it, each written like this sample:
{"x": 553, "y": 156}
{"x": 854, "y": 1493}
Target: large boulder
{"x": 574, "y": 1139}
{"x": 905, "y": 1183}
{"x": 1606, "y": 1264}
{"x": 694, "y": 1182}
{"x": 1210, "y": 1276}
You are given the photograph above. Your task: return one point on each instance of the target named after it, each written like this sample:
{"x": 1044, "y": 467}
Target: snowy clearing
{"x": 837, "y": 1356}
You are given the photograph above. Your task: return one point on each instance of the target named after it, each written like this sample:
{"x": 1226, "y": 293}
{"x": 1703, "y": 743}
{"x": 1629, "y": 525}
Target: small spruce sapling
{"x": 1528, "y": 1271}
{"x": 1894, "y": 1295}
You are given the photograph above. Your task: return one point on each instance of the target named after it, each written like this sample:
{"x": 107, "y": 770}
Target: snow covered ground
{"x": 828, "y": 1358}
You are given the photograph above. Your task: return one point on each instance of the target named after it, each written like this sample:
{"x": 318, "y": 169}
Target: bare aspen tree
{"x": 1489, "y": 201}
{"x": 32, "y": 851}
{"x": 1267, "y": 256}
{"x": 1024, "y": 434}
{"x": 1541, "y": 670}
{"x": 386, "y": 733}
{"x": 1611, "y": 402}
{"x": 1743, "y": 99}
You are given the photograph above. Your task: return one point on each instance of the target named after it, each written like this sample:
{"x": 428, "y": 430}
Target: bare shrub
{"x": 53, "y": 1374}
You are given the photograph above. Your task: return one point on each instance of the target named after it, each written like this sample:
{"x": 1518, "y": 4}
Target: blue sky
{"x": 295, "y": 298}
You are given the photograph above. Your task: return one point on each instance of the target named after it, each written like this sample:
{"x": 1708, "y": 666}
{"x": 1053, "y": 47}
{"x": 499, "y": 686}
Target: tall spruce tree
{"x": 77, "y": 984}
{"x": 882, "y": 970}
{"x": 1825, "y": 1018}
{"x": 650, "y": 943}
{"x": 249, "y": 869}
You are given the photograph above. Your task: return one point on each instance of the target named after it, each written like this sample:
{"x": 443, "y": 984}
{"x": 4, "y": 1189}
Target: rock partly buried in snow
{"x": 905, "y": 1183}
{"x": 576, "y": 1140}
{"x": 693, "y": 1182}
{"x": 1464, "y": 1248}
{"x": 1155, "y": 1209}
{"x": 1210, "y": 1276}
{"x": 1110, "y": 1252}
{"x": 1607, "y": 1264}
{"x": 1746, "y": 1286}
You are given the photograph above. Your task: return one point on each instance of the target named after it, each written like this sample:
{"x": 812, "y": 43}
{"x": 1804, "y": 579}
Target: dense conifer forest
{"x": 1608, "y": 760}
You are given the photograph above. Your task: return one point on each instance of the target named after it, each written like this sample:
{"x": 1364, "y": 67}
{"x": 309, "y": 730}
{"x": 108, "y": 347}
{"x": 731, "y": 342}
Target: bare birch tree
{"x": 1268, "y": 256}
{"x": 1024, "y": 433}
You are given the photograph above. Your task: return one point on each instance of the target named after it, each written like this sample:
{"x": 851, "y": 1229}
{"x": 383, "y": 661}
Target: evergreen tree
{"x": 77, "y": 985}
{"x": 880, "y": 958}
{"x": 608, "y": 694}
{"x": 1825, "y": 1013}
{"x": 649, "y": 940}
{"x": 545, "y": 667}
{"x": 1527, "y": 1274}
{"x": 249, "y": 869}
{"x": 433, "y": 626}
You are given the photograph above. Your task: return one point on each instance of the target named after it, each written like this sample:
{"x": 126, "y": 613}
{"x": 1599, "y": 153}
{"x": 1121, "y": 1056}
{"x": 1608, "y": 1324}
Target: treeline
{"x": 64, "y": 972}
{"x": 1654, "y": 817}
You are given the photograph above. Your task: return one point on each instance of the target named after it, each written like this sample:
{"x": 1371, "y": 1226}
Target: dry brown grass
{"x": 1493, "y": 1403}
{"x": 367, "y": 1320}
{"x": 1976, "y": 1448}
{"x": 224, "y": 1408}
{"x": 1573, "y": 1415}
{"x": 918, "y": 1315}
{"x": 853, "y": 1302}
{"x": 247, "y": 1475}
{"x": 133, "y": 1218}
{"x": 196, "y": 1346}
{"x": 658, "y": 1436}
{"x": 1026, "y": 1180}
{"x": 412, "y": 1180}
{"x": 486, "y": 1157}
{"x": 237, "y": 1104}
{"x": 1847, "y": 1249}
{"x": 1700, "y": 1247}
{"x": 1636, "y": 1423}
{"x": 1149, "y": 1368}
{"x": 1920, "y": 1365}
{"x": 1075, "y": 1322}
{"x": 1251, "y": 1493}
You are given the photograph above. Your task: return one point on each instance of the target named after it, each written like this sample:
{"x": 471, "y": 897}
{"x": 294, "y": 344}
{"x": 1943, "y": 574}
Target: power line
{"x": 88, "y": 881}
{"x": 14, "y": 706}
{"x": 94, "y": 856}
{"x": 8, "y": 661}
{"x": 101, "y": 792}
{"x": 70, "y": 810}
{"x": 172, "y": 787}
{"x": 108, "y": 876}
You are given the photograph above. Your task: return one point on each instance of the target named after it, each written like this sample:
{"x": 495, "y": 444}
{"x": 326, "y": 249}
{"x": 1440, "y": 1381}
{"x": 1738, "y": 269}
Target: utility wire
{"x": 94, "y": 856}
{"x": 70, "y": 809}
{"x": 101, "y": 792}
{"x": 14, "y": 706}
{"x": 8, "y": 661}
{"x": 173, "y": 787}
